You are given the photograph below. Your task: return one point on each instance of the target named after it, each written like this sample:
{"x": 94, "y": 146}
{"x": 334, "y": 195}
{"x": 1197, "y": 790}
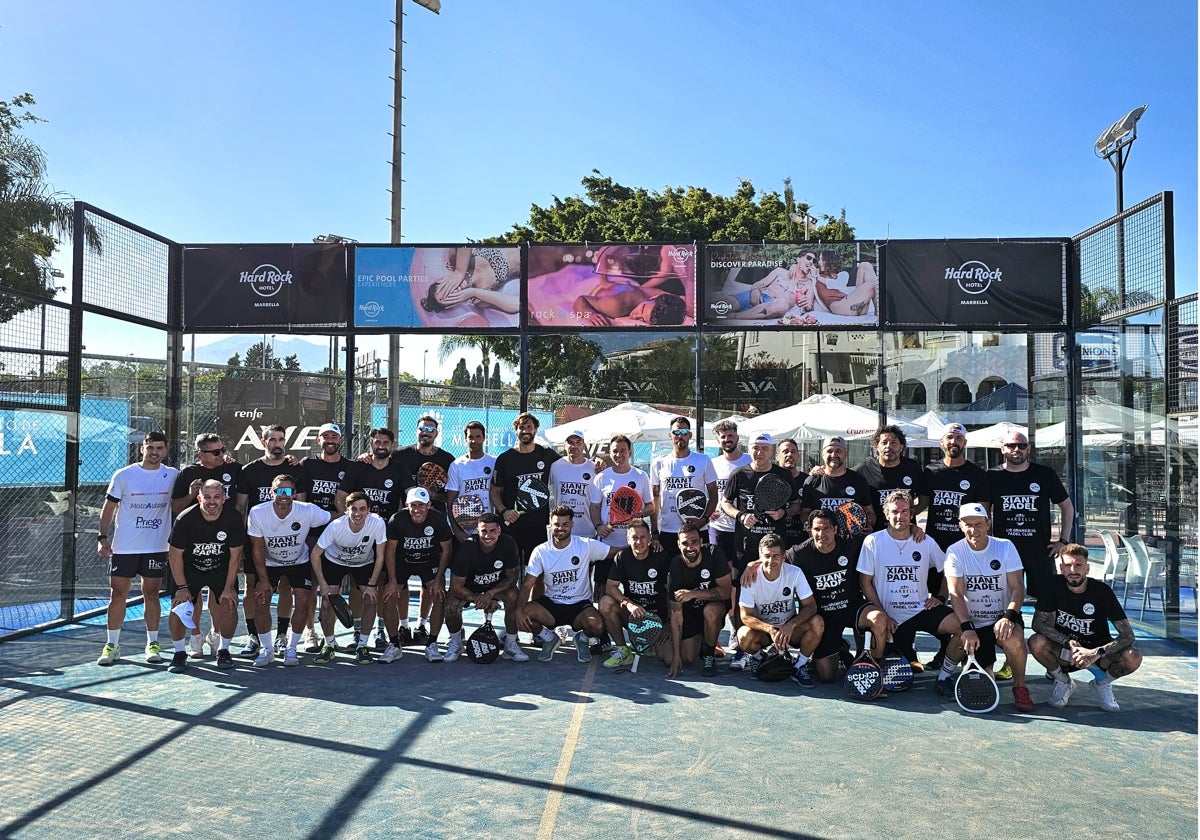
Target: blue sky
{"x": 268, "y": 121}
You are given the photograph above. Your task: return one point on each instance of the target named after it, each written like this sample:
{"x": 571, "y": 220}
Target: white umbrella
{"x": 822, "y": 415}
{"x": 990, "y": 437}
{"x": 637, "y": 421}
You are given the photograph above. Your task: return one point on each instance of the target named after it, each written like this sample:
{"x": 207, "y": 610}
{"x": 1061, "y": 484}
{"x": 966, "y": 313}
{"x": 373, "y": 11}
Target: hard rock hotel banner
{"x": 791, "y": 285}
{"x": 968, "y": 283}
{"x": 625, "y": 286}
{"x": 259, "y": 286}
{"x": 437, "y": 287}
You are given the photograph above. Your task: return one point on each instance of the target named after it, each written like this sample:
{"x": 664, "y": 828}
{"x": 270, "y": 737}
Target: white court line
{"x": 554, "y": 800}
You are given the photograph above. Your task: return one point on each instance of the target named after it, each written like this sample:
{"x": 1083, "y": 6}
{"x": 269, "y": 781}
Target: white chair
{"x": 1146, "y": 571}
{"x": 1115, "y": 560}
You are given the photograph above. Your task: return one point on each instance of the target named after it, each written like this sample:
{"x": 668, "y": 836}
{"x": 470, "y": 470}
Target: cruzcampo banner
{"x": 965, "y": 283}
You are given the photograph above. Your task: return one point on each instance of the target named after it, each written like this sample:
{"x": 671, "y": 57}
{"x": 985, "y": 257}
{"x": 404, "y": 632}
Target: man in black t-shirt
{"x": 527, "y": 460}
{"x": 698, "y": 586}
{"x": 890, "y": 470}
{"x": 324, "y": 475}
{"x": 1071, "y": 632}
{"x": 426, "y": 451}
{"x": 484, "y": 576}
{"x": 636, "y": 585}
{"x": 204, "y": 550}
{"x": 419, "y": 542}
{"x": 836, "y": 485}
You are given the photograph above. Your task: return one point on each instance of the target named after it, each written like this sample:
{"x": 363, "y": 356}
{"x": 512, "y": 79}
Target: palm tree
{"x": 504, "y": 348}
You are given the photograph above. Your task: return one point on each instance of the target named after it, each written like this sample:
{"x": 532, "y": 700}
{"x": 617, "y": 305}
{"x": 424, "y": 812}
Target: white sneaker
{"x": 512, "y": 650}
{"x": 214, "y": 642}
{"x": 454, "y": 647}
{"x": 195, "y": 645}
{"x": 390, "y": 654}
{"x": 290, "y": 659}
{"x": 265, "y": 657}
{"x": 432, "y": 654}
{"x": 1104, "y": 694}
{"x": 153, "y": 652}
{"x": 1062, "y": 691}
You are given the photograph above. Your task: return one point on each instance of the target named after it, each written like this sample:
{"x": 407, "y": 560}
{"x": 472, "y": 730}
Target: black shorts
{"x": 926, "y": 621}
{"x": 727, "y": 541}
{"x": 336, "y": 572}
{"x": 835, "y": 626}
{"x": 693, "y": 622}
{"x": 563, "y": 614}
{"x": 300, "y": 576}
{"x": 986, "y": 654}
{"x": 426, "y": 573}
{"x": 197, "y": 581}
{"x": 152, "y": 565}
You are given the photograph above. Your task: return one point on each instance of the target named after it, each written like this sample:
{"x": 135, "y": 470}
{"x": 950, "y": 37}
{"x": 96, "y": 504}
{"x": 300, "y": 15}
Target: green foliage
{"x": 461, "y": 376}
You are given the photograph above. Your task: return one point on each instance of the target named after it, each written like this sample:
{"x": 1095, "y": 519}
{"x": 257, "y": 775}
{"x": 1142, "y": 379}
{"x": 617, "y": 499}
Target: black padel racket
{"x": 690, "y": 503}
{"x": 897, "y": 670}
{"x": 341, "y": 609}
{"x": 864, "y": 678}
{"x": 852, "y": 520}
{"x": 773, "y": 666}
{"x": 644, "y": 634}
{"x": 483, "y": 646}
{"x": 771, "y": 493}
{"x": 625, "y": 505}
{"x": 532, "y": 495}
{"x": 975, "y": 690}
{"x": 466, "y": 511}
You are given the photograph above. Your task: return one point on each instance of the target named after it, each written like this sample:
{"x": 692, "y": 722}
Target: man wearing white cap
{"x": 985, "y": 579}
{"x": 837, "y": 486}
{"x": 419, "y": 545}
{"x": 571, "y": 485}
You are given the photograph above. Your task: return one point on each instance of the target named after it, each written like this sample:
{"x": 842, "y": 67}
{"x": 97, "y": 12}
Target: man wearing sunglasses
{"x": 1022, "y": 492}
{"x": 671, "y": 474}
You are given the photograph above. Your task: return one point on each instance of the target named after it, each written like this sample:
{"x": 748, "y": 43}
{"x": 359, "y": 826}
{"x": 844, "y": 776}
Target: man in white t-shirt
{"x": 620, "y": 474}
{"x": 986, "y": 581}
{"x": 671, "y": 474}
{"x": 352, "y": 546}
{"x": 278, "y": 532}
{"x": 470, "y": 475}
{"x": 139, "y": 500}
{"x": 778, "y": 608}
{"x": 571, "y": 485}
{"x": 563, "y": 565}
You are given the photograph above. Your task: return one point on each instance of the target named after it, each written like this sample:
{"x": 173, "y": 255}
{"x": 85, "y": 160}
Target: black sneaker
{"x": 710, "y": 667}
{"x": 224, "y": 660}
{"x": 801, "y": 677}
{"x": 944, "y": 688}
{"x": 404, "y": 638}
{"x": 178, "y": 662}
{"x": 421, "y": 637}
{"x": 381, "y": 641}
{"x": 845, "y": 656}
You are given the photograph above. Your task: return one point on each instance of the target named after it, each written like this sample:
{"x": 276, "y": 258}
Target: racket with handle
{"x": 852, "y": 520}
{"x": 774, "y": 666}
{"x": 466, "y": 511}
{"x": 532, "y": 495}
{"x": 644, "y": 634}
{"x": 483, "y": 646}
{"x": 975, "y": 690}
{"x": 771, "y": 493}
{"x": 864, "y": 677}
{"x": 690, "y": 503}
{"x": 341, "y": 609}
{"x": 625, "y": 505}
{"x": 897, "y": 670}
{"x": 432, "y": 477}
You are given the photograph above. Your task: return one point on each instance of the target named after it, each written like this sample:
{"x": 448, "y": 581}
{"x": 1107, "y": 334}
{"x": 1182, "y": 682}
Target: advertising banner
{"x": 791, "y": 285}
{"x": 966, "y": 283}
{"x": 246, "y": 406}
{"x": 262, "y": 286}
{"x": 621, "y": 286}
{"x": 437, "y": 288}
{"x": 33, "y": 443}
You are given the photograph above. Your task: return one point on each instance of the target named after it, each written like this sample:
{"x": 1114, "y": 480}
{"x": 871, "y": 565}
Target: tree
{"x": 291, "y": 362}
{"x": 461, "y": 376}
{"x": 495, "y": 384}
{"x": 503, "y": 348}
{"x": 234, "y": 361}
{"x": 261, "y": 357}
{"x": 32, "y": 215}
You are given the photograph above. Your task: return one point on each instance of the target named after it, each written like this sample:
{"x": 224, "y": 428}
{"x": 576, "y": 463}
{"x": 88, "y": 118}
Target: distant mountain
{"x": 313, "y": 357}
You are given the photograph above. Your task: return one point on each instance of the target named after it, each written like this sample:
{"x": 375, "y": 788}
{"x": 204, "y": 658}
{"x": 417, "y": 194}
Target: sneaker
{"x": 454, "y": 647}
{"x": 109, "y": 655}
{"x": 265, "y": 657}
{"x": 1104, "y": 694}
{"x": 390, "y": 655}
{"x": 421, "y": 637}
{"x": 381, "y": 641}
{"x": 252, "y": 648}
{"x": 195, "y": 645}
{"x": 802, "y": 678}
{"x": 944, "y": 688}
{"x": 405, "y": 637}
{"x": 281, "y": 646}
{"x": 224, "y": 660}
{"x": 738, "y": 662}
{"x": 432, "y": 654}
{"x": 355, "y": 642}
{"x": 1062, "y": 691}
{"x": 548, "y": 648}
{"x": 178, "y": 662}
{"x": 154, "y": 653}
{"x": 708, "y": 667}
{"x": 583, "y": 650}
{"x": 363, "y": 656}
{"x": 512, "y": 650}
{"x": 598, "y": 647}
{"x": 621, "y": 656}
{"x": 935, "y": 664}
{"x": 1004, "y": 674}
{"x": 290, "y": 659}
{"x": 1021, "y": 699}
{"x": 312, "y": 642}
{"x": 325, "y": 656}
{"x": 917, "y": 667}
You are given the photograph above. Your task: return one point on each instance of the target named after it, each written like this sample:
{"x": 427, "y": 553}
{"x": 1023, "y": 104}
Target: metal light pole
{"x": 1114, "y": 146}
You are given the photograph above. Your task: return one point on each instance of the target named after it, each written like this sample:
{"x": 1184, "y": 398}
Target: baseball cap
{"x": 956, "y": 429}
{"x": 575, "y": 433}
{"x": 973, "y": 509}
{"x": 836, "y": 440}
{"x": 416, "y": 494}
{"x": 330, "y": 427}
{"x": 763, "y": 439}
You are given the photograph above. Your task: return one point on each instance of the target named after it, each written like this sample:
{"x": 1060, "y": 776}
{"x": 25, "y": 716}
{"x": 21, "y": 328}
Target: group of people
{"x": 837, "y": 550}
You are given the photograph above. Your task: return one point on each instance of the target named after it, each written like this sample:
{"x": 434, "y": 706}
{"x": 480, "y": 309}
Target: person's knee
{"x": 1131, "y": 659}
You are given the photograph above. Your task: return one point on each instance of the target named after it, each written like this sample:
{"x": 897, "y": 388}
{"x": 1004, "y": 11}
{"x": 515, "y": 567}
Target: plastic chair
{"x": 1115, "y": 561}
{"x": 1146, "y": 570}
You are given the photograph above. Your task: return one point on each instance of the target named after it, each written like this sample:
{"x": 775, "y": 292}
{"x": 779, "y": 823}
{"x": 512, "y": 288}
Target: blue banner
{"x": 33, "y": 443}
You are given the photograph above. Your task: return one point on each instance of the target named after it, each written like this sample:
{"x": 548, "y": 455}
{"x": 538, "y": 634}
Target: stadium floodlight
{"x": 802, "y": 219}
{"x": 1116, "y": 143}
{"x": 332, "y": 239}
{"x": 434, "y": 6}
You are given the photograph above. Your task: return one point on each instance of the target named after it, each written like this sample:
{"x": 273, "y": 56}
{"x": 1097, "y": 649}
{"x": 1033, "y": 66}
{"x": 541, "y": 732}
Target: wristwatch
{"x": 965, "y": 626}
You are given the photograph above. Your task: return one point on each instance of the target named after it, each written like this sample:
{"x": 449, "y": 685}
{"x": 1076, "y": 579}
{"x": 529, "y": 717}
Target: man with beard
{"x": 484, "y": 577}
{"x": 514, "y": 467}
{"x": 680, "y": 470}
{"x": 470, "y": 475}
{"x": 571, "y": 485}
{"x": 620, "y": 474}
{"x": 787, "y": 455}
{"x": 418, "y": 545}
{"x": 890, "y": 470}
{"x": 636, "y": 585}
{"x": 721, "y": 528}
{"x": 698, "y": 586}
{"x": 255, "y": 488}
{"x": 325, "y": 474}
{"x": 205, "y": 550}
{"x": 835, "y": 485}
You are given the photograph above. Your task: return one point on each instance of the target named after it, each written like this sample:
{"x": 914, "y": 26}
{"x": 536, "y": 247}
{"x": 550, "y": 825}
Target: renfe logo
{"x": 974, "y": 277}
{"x": 266, "y": 280}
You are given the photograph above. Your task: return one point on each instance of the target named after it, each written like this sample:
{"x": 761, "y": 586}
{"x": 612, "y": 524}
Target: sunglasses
{"x": 284, "y": 491}
{"x": 220, "y": 451}
{"x": 1016, "y": 446}
{"x": 681, "y": 432}
{"x": 429, "y": 429}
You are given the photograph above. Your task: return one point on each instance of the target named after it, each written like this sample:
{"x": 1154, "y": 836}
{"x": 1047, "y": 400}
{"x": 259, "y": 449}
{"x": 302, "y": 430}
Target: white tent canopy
{"x": 990, "y": 437}
{"x": 639, "y": 422}
{"x": 822, "y": 415}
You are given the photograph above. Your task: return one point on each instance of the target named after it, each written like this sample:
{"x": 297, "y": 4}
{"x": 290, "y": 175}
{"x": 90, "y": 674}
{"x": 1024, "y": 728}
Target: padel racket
{"x": 483, "y": 646}
{"x": 341, "y": 609}
{"x": 975, "y": 690}
{"x": 771, "y": 493}
{"x": 690, "y": 503}
{"x": 864, "y": 678}
{"x": 532, "y": 495}
{"x": 774, "y": 666}
{"x": 466, "y": 511}
{"x": 852, "y": 520}
{"x": 625, "y": 505}
{"x": 432, "y": 477}
{"x": 897, "y": 670}
{"x": 644, "y": 634}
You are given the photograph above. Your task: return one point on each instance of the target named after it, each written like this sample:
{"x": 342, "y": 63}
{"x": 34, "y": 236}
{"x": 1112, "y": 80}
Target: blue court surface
{"x": 567, "y": 750}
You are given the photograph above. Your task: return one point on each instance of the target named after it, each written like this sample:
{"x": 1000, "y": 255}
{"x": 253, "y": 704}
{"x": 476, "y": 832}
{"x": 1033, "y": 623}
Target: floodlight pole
{"x": 1114, "y": 146}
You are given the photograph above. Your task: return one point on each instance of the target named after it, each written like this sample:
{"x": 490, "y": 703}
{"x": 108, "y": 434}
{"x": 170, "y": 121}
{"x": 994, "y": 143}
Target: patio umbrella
{"x": 639, "y": 422}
